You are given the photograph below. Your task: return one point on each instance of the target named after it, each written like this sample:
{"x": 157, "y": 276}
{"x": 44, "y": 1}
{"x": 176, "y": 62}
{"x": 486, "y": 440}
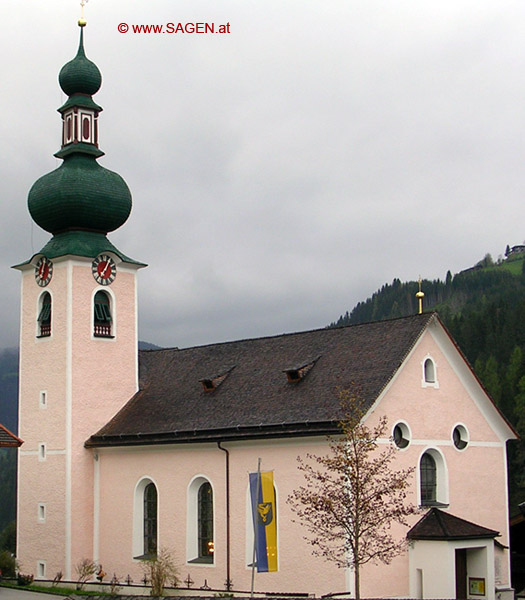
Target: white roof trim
{"x": 464, "y": 373}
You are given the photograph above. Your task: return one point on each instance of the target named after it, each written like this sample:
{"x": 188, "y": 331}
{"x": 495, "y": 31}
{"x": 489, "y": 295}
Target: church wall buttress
{"x": 103, "y": 380}
{"x": 42, "y": 425}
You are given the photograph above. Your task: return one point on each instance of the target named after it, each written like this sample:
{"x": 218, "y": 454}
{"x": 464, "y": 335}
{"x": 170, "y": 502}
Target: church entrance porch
{"x": 450, "y": 557}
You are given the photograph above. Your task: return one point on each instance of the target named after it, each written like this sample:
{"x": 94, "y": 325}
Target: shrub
{"x": 160, "y": 570}
{"x": 8, "y": 564}
{"x": 85, "y": 570}
{"x": 8, "y": 538}
{"x": 25, "y": 579}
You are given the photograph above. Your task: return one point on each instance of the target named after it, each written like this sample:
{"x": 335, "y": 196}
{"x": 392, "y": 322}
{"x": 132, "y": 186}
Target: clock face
{"x": 43, "y": 271}
{"x": 104, "y": 269}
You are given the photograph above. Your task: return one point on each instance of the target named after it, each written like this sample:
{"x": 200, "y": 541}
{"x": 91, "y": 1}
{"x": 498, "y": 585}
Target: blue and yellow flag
{"x": 264, "y": 520}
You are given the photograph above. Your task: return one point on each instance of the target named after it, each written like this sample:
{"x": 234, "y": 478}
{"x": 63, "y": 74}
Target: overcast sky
{"x": 284, "y": 171}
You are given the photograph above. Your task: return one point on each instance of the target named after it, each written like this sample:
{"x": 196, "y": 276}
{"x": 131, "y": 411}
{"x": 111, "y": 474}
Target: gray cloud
{"x": 285, "y": 171}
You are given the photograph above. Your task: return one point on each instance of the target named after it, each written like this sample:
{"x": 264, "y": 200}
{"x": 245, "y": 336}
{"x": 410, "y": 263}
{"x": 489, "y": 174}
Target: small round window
{"x": 401, "y": 435}
{"x": 460, "y": 437}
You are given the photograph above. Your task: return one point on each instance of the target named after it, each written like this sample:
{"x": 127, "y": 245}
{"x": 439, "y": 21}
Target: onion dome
{"x": 81, "y": 201}
{"x": 80, "y": 75}
{"x": 80, "y": 194}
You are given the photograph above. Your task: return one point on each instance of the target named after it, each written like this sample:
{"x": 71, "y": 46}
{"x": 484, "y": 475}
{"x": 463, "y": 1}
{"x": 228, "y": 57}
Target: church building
{"x": 128, "y": 452}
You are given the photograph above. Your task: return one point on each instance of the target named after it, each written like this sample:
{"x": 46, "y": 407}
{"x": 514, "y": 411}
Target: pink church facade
{"x": 126, "y": 454}
{"x": 428, "y": 412}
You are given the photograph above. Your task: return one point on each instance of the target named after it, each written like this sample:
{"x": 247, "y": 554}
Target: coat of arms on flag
{"x": 262, "y": 493}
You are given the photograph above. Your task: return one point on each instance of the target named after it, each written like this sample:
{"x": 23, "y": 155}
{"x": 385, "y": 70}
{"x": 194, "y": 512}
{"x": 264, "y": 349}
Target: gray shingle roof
{"x": 255, "y": 398}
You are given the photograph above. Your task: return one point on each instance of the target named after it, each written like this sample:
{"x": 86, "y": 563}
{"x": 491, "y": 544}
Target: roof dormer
{"x": 296, "y": 374}
{"x": 210, "y": 384}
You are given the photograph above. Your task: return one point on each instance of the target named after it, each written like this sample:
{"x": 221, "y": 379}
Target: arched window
{"x": 145, "y": 519}
{"x": 150, "y": 520}
{"x": 430, "y": 371}
{"x": 433, "y": 479}
{"x": 102, "y": 315}
{"x": 199, "y": 541}
{"x": 428, "y": 479}
{"x": 205, "y": 521}
{"x": 44, "y": 315}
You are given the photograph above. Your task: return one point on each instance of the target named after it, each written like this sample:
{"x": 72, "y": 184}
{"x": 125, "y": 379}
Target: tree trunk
{"x": 357, "y": 592}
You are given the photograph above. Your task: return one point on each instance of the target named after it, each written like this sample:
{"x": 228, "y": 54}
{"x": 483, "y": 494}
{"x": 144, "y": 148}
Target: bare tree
{"x": 353, "y": 495}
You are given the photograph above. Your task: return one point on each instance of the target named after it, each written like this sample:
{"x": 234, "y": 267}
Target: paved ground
{"x": 13, "y": 594}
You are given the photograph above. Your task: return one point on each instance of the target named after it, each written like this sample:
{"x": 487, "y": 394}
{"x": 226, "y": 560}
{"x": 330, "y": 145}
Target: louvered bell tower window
{"x": 79, "y": 125}
{"x": 44, "y": 316}
{"x": 102, "y": 315}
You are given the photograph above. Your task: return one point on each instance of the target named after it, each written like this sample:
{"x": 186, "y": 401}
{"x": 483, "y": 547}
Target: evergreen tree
{"x": 491, "y": 379}
{"x": 8, "y": 486}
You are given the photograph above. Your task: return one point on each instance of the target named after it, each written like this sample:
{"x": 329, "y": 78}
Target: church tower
{"x": 78, "y": 338}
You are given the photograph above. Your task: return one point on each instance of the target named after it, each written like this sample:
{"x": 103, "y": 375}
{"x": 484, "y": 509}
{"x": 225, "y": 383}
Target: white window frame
{"x": 442, "y": 485}
{"x": 69, "y": 115}
{"x": 41, "y": 512}
{"x": 42, "y": 451}
{"x": 465, "y": 436}
{"x": 424, "y": 382}
{"x": 112, "y": 311}
{"x": 192, "y": 521}
{"x": 407, "y": 434}
{"x": 81, "y": 116}
{"x": 41, "y": 568}
{"x": 39, "y": 304}
{"x": 138, "y": 516}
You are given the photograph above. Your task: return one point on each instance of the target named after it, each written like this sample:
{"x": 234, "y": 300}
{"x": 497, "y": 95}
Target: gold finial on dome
{"x": 420, "y": 295}
{"x": 82, "y": 22}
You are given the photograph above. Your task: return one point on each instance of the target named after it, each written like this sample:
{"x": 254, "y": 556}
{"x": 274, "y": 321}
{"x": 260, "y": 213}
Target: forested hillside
{"x": 8, "y": 418}
{"x": 484, "y": 309}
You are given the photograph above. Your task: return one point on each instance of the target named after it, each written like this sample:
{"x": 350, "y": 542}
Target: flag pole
{"x": 254, "y": 519}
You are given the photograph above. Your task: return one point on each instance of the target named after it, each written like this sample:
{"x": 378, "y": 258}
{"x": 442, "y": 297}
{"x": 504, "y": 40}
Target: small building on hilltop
{"x": 520, "y": 249}
{"x": 126, "y": 454}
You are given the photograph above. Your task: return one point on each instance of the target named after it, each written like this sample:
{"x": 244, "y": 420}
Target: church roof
{"x": 273, "y": 386}
{"x": 8, "y": 439}
{"x": 439, "y": 525}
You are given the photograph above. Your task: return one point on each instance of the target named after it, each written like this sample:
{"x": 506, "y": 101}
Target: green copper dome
{"x": 80, "y": 75}
{"x": 81, "y": 201}
{"x": 80, "y": 194}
